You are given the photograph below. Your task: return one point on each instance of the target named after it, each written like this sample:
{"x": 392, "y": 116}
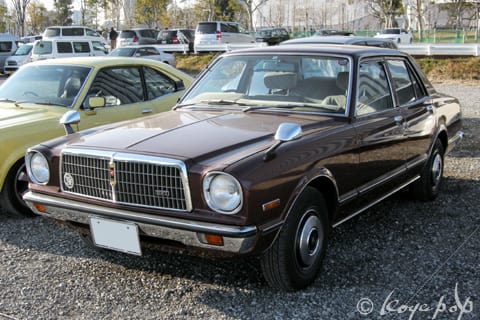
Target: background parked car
{"x": 101, "y": 89}
{"x": 8, "y": 45}
{"x": 53, "y": 48}
{"x": 177, "y": 36}
{"x": 330, "y": 32}
{"x": 20, "y": 57}
{"x": 136, "y": 36}
{"x": 397, "y": 35}
{"x": 145, "y": 51}
{"x": 212, "y": 33}
{"x": 355, "y": 40}
{"x": 31, "y": 39}
{"x": 272, "y": 36}
{"x": 55, "y": 32}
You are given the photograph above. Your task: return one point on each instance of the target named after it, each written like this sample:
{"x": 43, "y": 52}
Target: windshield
{"x": 23, "y": 50}
{"x": 52, "y": 85}
{"x": 391, "y": 31}
{"x": 122, "y": 52}
{"x": 301, "y": 83}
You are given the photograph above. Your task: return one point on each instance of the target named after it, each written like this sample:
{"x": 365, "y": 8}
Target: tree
{"x": 3, "y": 18}
{"x": 20, "y": 12}
{"x": 64, "y": 11}
{"x": 456, "y": 10}
{"x": 149, "y": 12}
{"x": 37, "y": 17}
{"x": 386, "y": 10}
{"x": 252, "y": 6}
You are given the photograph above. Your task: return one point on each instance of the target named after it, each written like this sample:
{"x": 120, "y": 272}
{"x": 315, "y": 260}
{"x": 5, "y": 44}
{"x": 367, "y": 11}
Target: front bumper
{"x": 236, "y": 239}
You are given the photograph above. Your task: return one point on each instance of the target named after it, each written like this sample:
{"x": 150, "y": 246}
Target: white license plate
{"x": 115, "y": 235}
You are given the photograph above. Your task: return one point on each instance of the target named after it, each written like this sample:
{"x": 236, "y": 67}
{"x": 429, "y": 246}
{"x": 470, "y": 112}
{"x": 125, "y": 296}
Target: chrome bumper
{"x": 236, "y": 239}
{"x": 452, "y": 142}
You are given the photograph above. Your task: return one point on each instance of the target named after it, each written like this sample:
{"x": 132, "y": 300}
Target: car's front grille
{"x": 12, "y": 63}
{"x": 126, "y": 178}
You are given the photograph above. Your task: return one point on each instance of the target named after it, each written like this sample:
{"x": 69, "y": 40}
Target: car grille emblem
{"x": 112, "y": 173}
{"x": 68, "y": 180}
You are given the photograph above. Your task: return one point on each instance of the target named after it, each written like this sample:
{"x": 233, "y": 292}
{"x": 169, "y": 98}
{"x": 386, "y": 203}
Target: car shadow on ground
{"x": 389, "y": 236}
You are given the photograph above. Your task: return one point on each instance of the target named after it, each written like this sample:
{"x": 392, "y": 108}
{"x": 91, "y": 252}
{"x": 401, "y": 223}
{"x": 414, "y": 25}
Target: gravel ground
{"x": 417, "y": 260}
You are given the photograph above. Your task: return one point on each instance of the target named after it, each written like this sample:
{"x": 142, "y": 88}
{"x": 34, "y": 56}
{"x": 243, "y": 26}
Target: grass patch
{"x": 193, "y": 64}
{"x": 451, "y": 69}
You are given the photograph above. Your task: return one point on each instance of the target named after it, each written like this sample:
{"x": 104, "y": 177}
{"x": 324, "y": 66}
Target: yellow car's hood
{"x": 11, "y": 115}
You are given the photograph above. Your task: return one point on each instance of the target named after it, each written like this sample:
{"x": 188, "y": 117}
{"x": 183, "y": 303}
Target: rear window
{"x": 43, "y": 47}
{"x": 127, "y": 34}
{"x": 147, "y": 33}
{"x": 207, "y": 27}
{"x": 5, "y": 46}
{"x": 52, "y": 32}
{"x": 73, "y": 32}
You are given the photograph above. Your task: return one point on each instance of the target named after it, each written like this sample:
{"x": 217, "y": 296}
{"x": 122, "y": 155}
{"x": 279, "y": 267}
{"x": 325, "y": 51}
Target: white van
{"x": 209, "y": 34}
{"x": 72, "y": 31}
{"x": 8, "y": 46}
{"x": 67, "y": 47}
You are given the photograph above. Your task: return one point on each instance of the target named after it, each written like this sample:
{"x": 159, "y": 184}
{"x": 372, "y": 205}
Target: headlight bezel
{"x": 209, "y": 179}
{"x": 32, "y": 172}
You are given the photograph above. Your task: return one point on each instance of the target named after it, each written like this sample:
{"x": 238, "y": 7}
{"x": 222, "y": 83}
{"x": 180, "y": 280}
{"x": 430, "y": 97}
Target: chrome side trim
{"x": 236, "y": 238}
{"x": 376, "y": 201}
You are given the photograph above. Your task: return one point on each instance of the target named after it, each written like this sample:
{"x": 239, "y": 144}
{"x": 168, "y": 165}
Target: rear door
{"x": 416, "y": 108}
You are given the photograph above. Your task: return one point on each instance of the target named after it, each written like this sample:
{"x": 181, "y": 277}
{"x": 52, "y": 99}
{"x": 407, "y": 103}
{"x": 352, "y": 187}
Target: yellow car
{"x": 101, "y": 89}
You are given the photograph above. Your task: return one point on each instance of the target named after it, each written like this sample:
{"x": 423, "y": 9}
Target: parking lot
{"x": 399, "y": 260}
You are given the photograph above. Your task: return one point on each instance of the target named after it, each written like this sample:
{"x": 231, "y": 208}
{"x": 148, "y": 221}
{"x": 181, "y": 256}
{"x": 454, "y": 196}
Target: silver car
{"x": 145, "y": 51}
{"x": 19, "y": 58}
{"x": 137, "y": 36}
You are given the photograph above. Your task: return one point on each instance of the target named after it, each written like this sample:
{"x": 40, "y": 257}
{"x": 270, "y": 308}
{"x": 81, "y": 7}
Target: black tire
{"x": 428, "y": 186}
{"x": 295, "y": 258}
{"x": 16, "y": 184}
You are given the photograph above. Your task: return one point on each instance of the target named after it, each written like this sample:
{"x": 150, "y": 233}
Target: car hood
{"x": 11, "y": 115}
{"x": 194, "y": 135}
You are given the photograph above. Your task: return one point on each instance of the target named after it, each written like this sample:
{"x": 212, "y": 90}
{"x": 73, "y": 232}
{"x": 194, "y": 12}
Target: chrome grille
{"x": 126, "y": 178}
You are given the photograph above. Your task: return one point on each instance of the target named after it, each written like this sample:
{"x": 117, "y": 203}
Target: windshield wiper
{"x": 220, "y": 102}
{"x": 289, "y": 106}
{"x": 224, "y": 102}
{"x": 49, "y": 103}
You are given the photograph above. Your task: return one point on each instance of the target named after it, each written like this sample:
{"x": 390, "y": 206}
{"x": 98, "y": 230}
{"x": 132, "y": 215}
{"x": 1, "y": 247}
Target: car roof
{"x": 96, "y": 62}
{"x": 333, "y": 39}
{"x": 312, "y": 48}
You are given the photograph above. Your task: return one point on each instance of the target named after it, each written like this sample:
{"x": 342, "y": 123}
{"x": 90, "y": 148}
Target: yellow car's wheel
{"x": 16, "y": 184}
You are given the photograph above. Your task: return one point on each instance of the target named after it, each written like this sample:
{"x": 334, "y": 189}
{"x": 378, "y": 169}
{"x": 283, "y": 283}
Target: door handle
{"x": 147, "y": 110}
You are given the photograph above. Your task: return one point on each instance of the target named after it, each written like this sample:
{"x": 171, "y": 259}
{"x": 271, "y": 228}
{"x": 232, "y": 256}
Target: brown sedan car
{"x": 267, "y": 151}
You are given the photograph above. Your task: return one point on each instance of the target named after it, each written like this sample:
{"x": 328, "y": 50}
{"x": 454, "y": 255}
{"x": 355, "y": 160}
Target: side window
{"x": 373, "y": 91}
{"x": 147, "y": 51}
{"x": 91, "y": 32}
{"x": 157, "y": 83}
{"x": 98, "y": 46}
{"x": 406, "y": 86}
{"x": 119, "y": 86}
{"x": 5, "y": 46}
{"x": 64, "y": 47}
{"x": 81, "y": 47}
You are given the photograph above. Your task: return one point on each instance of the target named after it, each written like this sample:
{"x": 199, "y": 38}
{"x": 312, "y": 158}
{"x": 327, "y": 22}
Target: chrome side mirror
{"x": 285, "y": 132}
{"x": 69, "y": 118}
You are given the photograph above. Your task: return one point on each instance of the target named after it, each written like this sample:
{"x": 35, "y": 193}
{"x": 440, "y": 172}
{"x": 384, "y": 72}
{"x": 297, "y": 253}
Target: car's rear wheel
{"x": 16, "y": 184}
{"x": 428, "y": 186}
{"x": 294, "y": 259}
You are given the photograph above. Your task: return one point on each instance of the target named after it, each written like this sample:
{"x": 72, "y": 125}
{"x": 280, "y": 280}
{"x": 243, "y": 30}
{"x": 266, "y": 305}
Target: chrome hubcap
{"x": 437, "y": 167}
{"x": 310, "y": 238}
{"x": 20, "y": 183}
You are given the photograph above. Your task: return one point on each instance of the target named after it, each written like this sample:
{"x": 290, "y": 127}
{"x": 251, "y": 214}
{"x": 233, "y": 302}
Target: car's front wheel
{"x": 294, "y": 259}
{"x": 16, "y": 184}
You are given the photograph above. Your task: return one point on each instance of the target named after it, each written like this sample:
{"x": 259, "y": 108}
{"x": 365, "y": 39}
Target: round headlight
{"x": 223, "y": 193}
{"x": 38, "y": 169}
